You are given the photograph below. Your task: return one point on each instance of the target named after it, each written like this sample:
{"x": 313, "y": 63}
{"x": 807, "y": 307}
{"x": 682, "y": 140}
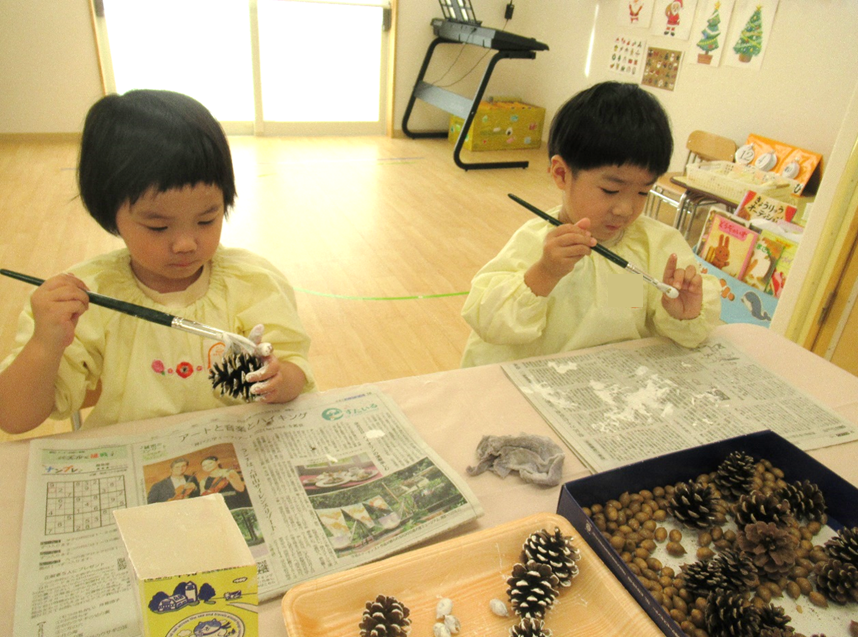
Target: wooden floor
{"x": 380, "y": 237}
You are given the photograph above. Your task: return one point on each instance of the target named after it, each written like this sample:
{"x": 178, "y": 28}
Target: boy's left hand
{"x": 689, "y": 283}
{"x": 275, "y": 381}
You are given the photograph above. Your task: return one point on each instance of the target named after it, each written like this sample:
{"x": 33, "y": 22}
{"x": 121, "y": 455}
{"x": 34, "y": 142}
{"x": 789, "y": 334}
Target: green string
{"x": 380, "y": 298}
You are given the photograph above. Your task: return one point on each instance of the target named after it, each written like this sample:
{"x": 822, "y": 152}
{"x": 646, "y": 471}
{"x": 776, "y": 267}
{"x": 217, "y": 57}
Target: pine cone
{"x": 844, "y": 546}
{"x": 773, "y": 618}
{"x": 787, "y": 631}
{"x": 757, "y": 507}
{"x": 532, "y": 589}
{"x": 230, "y": 374}
{"x": 737, "y": 570}
{"x": 385, "y": 617}
{"x": 771, "y": 548}
{"x": 702, "y": 578}
{"x": 805, "y": 499}
{"x": 727, "y": 615}
{"x": 693, "y": 504}
{"x": 556, "y": 551}
{"x": 530, "y": 627}
{"x": 838, "y": 581}
{"x": 735, "y": 476}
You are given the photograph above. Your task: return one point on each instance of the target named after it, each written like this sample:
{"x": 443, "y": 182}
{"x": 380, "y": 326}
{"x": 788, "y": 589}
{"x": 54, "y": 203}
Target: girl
{"x": 155, "y": 168}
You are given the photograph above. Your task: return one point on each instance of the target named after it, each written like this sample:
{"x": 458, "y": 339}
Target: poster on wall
{"x": 627, "y": 56}
{"x": 673, "y": 18}
{"x": 661, "y": 68}
{"x": 711, "y": 31}
{"x": 749, "y": 33}
{"x": 635, "y": 13}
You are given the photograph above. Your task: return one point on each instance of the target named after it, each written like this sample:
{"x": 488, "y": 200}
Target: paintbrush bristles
{"x": 230, "y": 375}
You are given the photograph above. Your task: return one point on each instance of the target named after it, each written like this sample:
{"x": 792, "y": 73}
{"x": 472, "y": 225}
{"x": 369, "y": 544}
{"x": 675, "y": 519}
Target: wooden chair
{"x": 702, "y": 146}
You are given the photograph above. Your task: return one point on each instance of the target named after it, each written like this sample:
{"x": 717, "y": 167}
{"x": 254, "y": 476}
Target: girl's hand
{"x": 564, "y": 247}
{"x": 57, "y": 305}
{"x": 276, "y": 381}
{"x": 689, "y": 283}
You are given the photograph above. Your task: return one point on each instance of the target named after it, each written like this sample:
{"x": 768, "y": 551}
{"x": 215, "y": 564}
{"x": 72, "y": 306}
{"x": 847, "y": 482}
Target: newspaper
{"x": 616, "y": 406}
{"x": 330, "y": 481}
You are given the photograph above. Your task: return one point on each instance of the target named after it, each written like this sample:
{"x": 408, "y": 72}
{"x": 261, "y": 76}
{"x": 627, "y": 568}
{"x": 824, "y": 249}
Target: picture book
{"x": 782, "y": 267}
{"x": 729, "y": 246}
{"x": 758, "y": 206}
{"x": 761, "y": 265}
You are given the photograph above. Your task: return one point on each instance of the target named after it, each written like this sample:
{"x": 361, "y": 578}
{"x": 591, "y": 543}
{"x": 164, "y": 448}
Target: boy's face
{"x": 612, "y": 197}
{"x": 172, "y": 234}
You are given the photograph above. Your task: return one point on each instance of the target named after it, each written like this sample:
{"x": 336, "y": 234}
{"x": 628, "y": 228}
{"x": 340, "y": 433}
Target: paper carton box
{"x": 192, "y": 570}
{"x": 841, "y": 498}
{"x": 501, "y": 126}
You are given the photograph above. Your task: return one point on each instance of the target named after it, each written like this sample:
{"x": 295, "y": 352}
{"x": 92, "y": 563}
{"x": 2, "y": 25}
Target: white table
{"x": 453, "y": 411}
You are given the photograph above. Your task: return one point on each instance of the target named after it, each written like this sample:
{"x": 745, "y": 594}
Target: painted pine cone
{"x": 844, "y": 546}
{"x": 532, "y": 589}
{"x": 230, "y": 374}
{"x": 805, "y": 499}
{"x": 385, "y": 617}
{"x": 530, "y": 627}
{"x": 556, "y": 551}
{"x": 838, "y": 581}
{"x": 771, "y": 548}
{"x": 693, "y": 504}
{"x": 702, "y": 578}
{"x": 757, "y": 507}
{"x": 737, "y": 570}
{"x": 728, "y": 615}
{"x": 735, "y": 476}
{"x": 773, "y": 618}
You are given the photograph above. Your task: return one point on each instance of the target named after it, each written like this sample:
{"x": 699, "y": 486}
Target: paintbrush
{"x": 664, "y": 288}
{"x": 233, "y": 342}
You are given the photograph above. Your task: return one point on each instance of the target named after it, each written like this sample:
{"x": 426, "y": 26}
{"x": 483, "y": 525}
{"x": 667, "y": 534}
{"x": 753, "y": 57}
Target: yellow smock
{"x": 598, "y": 302}
{"x": 149, "y": 370}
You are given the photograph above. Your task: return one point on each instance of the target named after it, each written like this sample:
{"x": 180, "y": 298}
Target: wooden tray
{"x": 470, "y": 570}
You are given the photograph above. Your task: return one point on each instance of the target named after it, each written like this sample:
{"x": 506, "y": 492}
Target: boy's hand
{"x": 689, "y": 283}
{"x": 275, "y": 381}
{"x": 57, "y": 305}
{"x": 564, "y": 247}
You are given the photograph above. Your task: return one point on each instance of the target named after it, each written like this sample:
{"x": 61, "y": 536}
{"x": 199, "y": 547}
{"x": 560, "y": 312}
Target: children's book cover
{"x": 757, "y": 206}
{"x": 761, "y": 265}
{"x": 729, "y": 246}
{"x": 782, "y": 268}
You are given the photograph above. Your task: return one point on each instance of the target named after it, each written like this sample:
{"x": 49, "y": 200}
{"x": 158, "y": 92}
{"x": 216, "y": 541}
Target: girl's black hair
{"x": 611, "y": 124}
{"x": 148, "y": 139}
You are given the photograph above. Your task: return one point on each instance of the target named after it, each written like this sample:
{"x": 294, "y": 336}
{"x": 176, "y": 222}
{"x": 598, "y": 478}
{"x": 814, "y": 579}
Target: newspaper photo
{"x": 320, "y": 485}
{"x": 616, "y": 406}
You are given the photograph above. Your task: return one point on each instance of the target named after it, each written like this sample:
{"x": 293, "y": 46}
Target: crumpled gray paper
{"x": 536, "y": 458}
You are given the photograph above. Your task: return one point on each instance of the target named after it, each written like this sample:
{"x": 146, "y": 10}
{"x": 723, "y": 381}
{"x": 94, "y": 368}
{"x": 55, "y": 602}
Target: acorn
{"x": 555, "y": 550}
{"x": 693, "y": 504}
{"x": 385, "y": 617}
{"x": 728, "y": 615}
{"x": 529, "y": 627}
{"x": 532, "y": 589}
{"x": 757, "y": 507}
{"x": 230, "y": 374}
{"x": 844, "y": 546}
{"x": 805, "y": 499}
{"x": 838, "y": 581}
{"x": 735, "y": 476}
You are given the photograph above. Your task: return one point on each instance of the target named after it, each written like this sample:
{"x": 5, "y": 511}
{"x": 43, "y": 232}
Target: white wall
{"x": 48, "y": 66}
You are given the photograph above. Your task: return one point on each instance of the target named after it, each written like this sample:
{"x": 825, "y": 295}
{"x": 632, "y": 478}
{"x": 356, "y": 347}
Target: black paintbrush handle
{"x": 620, "y": 261}
{"x": 145, "y": 313}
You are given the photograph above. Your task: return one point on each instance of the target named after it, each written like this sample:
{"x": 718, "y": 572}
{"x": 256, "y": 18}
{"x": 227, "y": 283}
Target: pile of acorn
{"x": 727, "y": 591}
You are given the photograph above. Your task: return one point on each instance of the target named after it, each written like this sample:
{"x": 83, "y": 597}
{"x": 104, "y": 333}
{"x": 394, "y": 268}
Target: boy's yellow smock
{"x": 148, "y": 370}
{"x": 598, "y": 302}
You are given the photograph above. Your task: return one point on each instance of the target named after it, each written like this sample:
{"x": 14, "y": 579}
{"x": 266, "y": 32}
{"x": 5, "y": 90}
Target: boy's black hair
{"x": 147, "y": 139}
{"x": 611, "y": 124}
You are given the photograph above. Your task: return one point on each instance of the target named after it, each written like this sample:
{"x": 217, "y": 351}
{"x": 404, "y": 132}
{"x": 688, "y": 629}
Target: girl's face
{"x": 172, "y": 234}
{"x": 612, "y": 197}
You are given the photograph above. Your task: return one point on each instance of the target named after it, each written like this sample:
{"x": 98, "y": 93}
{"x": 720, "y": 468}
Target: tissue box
{"x": 192, "y": 569}
{"x": 501, "y": 126}
{"x": 841, "y": 497}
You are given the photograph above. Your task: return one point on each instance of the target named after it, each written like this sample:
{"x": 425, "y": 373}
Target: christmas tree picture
{"x": 709, "y": 41}
{"x": 751, "y": 40}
